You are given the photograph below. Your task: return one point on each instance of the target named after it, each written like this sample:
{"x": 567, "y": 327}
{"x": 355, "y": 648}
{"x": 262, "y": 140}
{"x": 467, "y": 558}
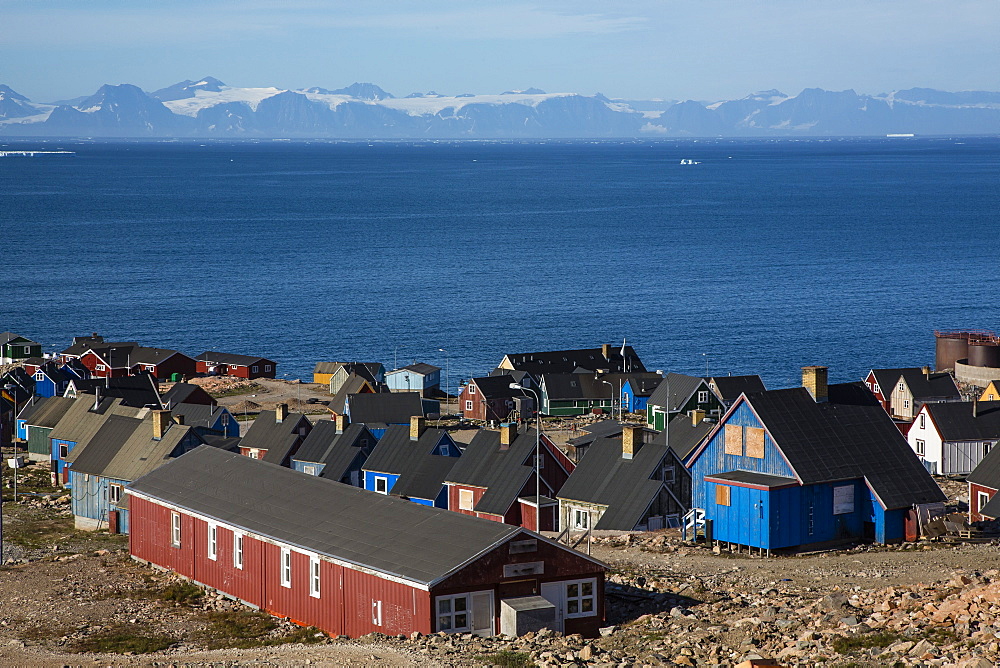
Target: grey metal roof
{"x": 623, "y": 485}
{"x": 80, "y": 423}
{"x": 643, "y": 384}
{"x": 336, "y": 451}
{"x": 45, "y": 411}
{"x": 420, "y": 368}
{"x": 137, "y": 455}
{"x": 378, "y": 532}
{"x": 144, "y": 355}
{"x": 826, "y": 442}
{"x": 187, "y": 393}
{"x": 354, "y": 384}
{"x": 729, "y": 388}
{"x": 421, "y": 473}
{"x": 230, "y": 358}
{"x": 278, "y": 438}
{"x": 105, "y": 444}
{"x": 684, "y": 436}
{"x": 388, "y": 407}
{"x": 137, "y": 391}
{"x": 498, "y": 387}
{"x": 198, "y": 415}
{"x": 955, "y": 422}
{"x": 851, "y": 394}
{"x": 566, "y": 386}
{"x": 503, "y": 472}
{"x": 991, "y": 509}
{"x": 680, "y": 388}
{"x": 887, "y": 378}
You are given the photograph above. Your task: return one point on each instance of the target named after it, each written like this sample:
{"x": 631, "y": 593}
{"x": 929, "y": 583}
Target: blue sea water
{"x": 766, "y": 256}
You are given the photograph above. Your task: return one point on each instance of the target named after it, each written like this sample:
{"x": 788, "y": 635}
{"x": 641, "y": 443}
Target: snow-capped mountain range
{"x": 208, "y": 107}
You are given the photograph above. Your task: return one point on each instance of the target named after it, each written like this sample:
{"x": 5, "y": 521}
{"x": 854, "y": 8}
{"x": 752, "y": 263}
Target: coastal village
{"x": 563, "y": 508}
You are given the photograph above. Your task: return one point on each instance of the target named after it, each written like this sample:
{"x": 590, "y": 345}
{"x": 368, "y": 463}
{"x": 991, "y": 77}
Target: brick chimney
{"x": 280, "y": 413}
{"x": 341, "y": 421}
{"x": 631, "y": 441}
{"x": 161, "y": 422}
{"x": 814, "y": 380}
{"x": 508, "y": 433}
{"x": 926, "y": 371}
{"x": 417, "y": 426}
{"x": 697, "y": 416}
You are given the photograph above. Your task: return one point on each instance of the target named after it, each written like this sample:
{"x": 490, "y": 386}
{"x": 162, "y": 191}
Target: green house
{"x": 679, "y": 394}
{"x": 569, "y": 394}
{"x": 16, "y": 348}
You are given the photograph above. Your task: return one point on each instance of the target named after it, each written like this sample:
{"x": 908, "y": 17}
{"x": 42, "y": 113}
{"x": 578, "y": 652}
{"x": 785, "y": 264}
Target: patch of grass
{"x": 850, "y": 644}
{"x": 245, "y": 630}
{"x": 43, "y": 633}
{"x": 123, "y": 638}
{"x": 39, "y": 532}
{"x": 183, "y": 593}
{"x": 940, "y": 635}
{"x": 506, "y": 659}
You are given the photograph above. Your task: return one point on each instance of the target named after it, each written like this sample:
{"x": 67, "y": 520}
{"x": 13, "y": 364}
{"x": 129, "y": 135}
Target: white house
{"x": 952, "y": 438}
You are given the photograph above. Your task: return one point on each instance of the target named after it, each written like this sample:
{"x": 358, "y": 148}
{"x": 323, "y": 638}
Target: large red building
{"x": 347, "y": 560}
{"x": 239, "y": 366}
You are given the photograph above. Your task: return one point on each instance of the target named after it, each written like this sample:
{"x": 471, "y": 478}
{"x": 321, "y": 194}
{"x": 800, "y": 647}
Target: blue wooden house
{"x": 123, "y": 450}
{"x": 412, "y": 462}
{"x": 52, "y": 379}
{"x": 782, "y": 470}
{"x": 420, "y": 377}
{"x": 635, "y": 388}
{"x": 77, "y": 427}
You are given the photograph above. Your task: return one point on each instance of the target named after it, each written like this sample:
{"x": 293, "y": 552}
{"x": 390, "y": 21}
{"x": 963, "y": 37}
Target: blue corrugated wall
{"x": 90, "y": 499}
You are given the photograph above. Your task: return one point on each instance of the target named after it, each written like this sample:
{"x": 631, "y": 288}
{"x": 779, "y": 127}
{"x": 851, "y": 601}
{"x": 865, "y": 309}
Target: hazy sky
{"x": 673, "y": 49}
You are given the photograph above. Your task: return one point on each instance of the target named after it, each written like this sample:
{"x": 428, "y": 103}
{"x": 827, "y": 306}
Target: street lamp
{"x": 612, "y": 393}
{"x": 538, "y": 451}
{"x": 447, "y": 372}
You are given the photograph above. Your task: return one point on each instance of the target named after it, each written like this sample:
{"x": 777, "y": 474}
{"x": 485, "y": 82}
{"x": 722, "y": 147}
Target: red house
{"x": 495, "y": 478}
{"x": 347, "y": 560}
{"x": 492, "y": 399}
{"x": 240, "y": 366}
{"x": 125, "y": 360}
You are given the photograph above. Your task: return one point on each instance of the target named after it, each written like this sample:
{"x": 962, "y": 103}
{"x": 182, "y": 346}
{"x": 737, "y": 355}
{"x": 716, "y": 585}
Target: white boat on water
{"x": 685, "y": 161}
{"x": 900, "y": 134}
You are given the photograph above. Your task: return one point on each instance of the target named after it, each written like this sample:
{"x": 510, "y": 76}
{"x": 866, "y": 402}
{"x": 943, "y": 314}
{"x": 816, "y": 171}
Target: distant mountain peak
{"x": 188, "y": 89}
{"x": 363, "y": 91}
{"x": 526, "y": 91}
{"x": 12, "y": 94}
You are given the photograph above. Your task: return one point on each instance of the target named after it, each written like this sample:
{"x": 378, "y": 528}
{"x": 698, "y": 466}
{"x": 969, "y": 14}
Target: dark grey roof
{"x": 955, "y": 422}
{"x": 198, "y": 415}
{"x": 230, "y": 358}
{"x": 45, "y": 411}
{"x": 107, "y": 442}
{"x": 81, "y": 421}
{"x": 374, "y": 531}
{"x": 729, "y": 388}
{"x": 7, "y": 337}
{"x": 498, "y": 387}
{"x": 566, "y": 361}
{"x": 991, "y": 509}
{"x": 352, "y": 385}
{"x": 421, "y": 473}
{"x": 826, "y": 442}
{"x": 187, "y": 393}
{"x": 754, "y": 478}
{"x": 643, "y": 384}
{"x": 137, "y": 391}
{"x": 229, "y": 443}
{"x": 144, "y": 355}
{"x": 851, "y": 394}
{"x": 564, "y": 386}
{"x": 502, "y": 472}
{"x": 336, "y": 451}
{"x": 930, "y": 386}
{"x": 685, "y": 436}
{"x": 604, "y": 429}
{"x": 82, "y": 344}
{"x": 887, "y": 378}
{"x": 139, "y": 454}
{"x": 367, "y": 370}
{"x": 278, "y": 438}
{"x": 391, "y": 408}
{"x": 680, "y": 387}
{"x": 419, "y": 368}
{"x": 623, "y": 485}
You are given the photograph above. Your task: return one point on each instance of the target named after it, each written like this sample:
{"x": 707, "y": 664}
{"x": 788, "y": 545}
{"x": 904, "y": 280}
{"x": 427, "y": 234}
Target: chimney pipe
{"x": 179, "y": 419}
{"x": 975, "y": 407}
{"x": 927, "y": 372}
{"x": 631, "y": 441}
{"x": 606, "y": 350}
{"x": 280, "y": 413}
{"x": 417, "y": 426}
{"x": 341, "y": 421}
{"x": 508, "y": 433}
{"x": 697, "y": 416}
{"x": 161, "y": 422}
{"x": 97, "y": 397}
{"x": 814, "y": 379}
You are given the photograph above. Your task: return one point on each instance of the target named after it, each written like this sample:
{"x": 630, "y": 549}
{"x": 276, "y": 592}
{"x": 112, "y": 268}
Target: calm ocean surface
{"x": 767, "y": 256}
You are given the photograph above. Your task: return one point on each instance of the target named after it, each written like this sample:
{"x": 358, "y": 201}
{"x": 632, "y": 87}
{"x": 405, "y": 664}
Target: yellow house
{"x": 992, "y": 391}
{"x": 324, "y": 372}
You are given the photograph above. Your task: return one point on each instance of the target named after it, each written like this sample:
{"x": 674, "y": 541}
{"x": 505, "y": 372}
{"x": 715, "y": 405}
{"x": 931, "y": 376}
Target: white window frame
{"x": 468, "y": 404}
{"x": 920, "y": 447}
{"x": 253, "y": 369}
{"x": 669, "y": 469}
{"x": 447, "y": 613}
{"x": 285, "y": 568}
{"x": 115, "y": 492}
{"x": 580, "y": 598}
{"x": 238, "y": 550}
{"x": 906, "y": 403}
{"x": 472, "y": 389}
{"x": 982, "y": 498}
{"x": 267, "y": 367}
{"x": 385, "y": 484}
{"x": 466, "y": 499}
{"x": 923, "y": 420}
{"x": 901, "y": 387}
{"x": 314, "y": 576}
{"x": 702, "y": 396}
{"x": 309, "y": 469}
{"x": 63, "y": 450}
{"x": 580, "y": 518}
{"x": 212, "y": 544}
{"x": 175, "y": 529}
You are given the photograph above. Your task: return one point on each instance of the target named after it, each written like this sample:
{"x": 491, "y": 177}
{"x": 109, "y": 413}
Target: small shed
{"x": 376, "y": 564}
{"x": 419, "y": 377}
